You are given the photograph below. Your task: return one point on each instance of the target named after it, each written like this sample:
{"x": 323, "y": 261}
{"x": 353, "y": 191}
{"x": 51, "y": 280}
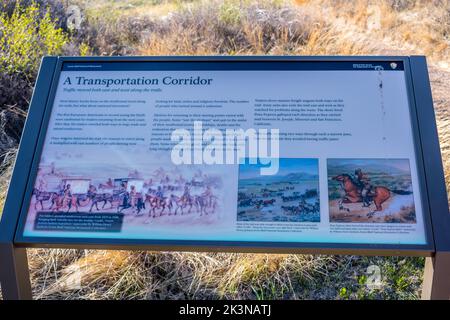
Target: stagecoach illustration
{"x": 78, "y": 186}
{"x": 122, "y": 185}
{"x": 127, "y": 194}
{"x": 74, "y": 193}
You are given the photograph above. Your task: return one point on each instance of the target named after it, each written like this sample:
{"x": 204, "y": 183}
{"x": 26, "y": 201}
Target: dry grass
{"x": 309, "y": 27}
{"x": 133, "y": 8}
{"x": 246, "y": 27}
{"x": 415, "y": 27}
{"x": 71, "y": 274}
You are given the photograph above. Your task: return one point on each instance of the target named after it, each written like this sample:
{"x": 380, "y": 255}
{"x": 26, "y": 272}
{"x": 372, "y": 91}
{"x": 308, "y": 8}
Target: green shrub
{"x": 25, "y": 37}
{"x": 230, "y": 14}
{"x": 28, "y": 31}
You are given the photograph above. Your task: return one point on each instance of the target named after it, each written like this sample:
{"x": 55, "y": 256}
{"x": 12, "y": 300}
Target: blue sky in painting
{"x": 286, "y": 166}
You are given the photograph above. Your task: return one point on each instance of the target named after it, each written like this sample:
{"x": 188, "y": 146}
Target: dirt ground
{"x": 359, "y": 214}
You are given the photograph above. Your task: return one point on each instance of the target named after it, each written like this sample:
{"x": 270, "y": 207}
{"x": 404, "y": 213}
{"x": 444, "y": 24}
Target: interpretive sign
{"x": 293, "y": 154}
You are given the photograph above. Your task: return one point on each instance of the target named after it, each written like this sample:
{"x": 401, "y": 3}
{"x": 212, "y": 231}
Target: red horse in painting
{"x": 378, "y": 194}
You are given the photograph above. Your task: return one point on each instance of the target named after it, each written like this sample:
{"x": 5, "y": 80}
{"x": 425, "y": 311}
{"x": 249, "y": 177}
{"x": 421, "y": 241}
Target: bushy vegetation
{"x": 32, "y": 28}
{"x": 27, "y": 32}
{"x": 26, "y": 37}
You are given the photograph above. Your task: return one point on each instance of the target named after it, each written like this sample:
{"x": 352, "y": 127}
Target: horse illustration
{"x": 40, "y": 197}
{"x": 378, "y": 194}
{"x": 165, "y": 203}
{"x": 205, "y": 204}
{"x": 157, "y": 202}
{"x": 60, "y": 202}
{"x": 96, "y": 198}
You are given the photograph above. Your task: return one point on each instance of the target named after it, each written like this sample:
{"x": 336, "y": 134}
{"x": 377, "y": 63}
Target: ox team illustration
{"x": 290, "y": 195}
{"x": 106, "y": 171}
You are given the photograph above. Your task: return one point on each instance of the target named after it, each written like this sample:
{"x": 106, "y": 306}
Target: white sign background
{"x": 377, "y": 117}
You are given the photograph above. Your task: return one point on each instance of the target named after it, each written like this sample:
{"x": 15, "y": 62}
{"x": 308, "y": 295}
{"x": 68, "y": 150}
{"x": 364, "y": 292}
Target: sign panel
{"x": 294, "y": 152}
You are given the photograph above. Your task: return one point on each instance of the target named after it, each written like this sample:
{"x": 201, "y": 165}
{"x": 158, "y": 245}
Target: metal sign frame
{"x": 14, "y": 274}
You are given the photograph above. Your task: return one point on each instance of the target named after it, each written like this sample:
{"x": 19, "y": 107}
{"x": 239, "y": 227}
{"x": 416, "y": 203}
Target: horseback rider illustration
{"x": 160, "y": 193}
{"x": 42, "y": 185}
{"x": 67, "y": 196}
{"x": 140, "y": 203}
{"x": 92, "y": 191}
{"x": 123, "y": 188}
{"x": 67, "y": 192}
{"x": 208, "y": 195}
{"x": 186, "y": 194}
{"x": 364, "y": 183}
{"x": 133, "y": 196}
{"x": 126, "y": 196}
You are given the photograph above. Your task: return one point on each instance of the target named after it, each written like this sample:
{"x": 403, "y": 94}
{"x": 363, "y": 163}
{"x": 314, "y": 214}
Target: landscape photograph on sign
{"x": 291, "y": 195}
{"x": 370, "y": 190}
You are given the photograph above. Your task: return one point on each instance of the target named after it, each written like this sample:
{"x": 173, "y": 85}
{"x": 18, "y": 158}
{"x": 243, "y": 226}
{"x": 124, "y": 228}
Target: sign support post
{"x": 437, "y": 268}
{"x": 436, "y": 279}
{"x": 14, "y": 273}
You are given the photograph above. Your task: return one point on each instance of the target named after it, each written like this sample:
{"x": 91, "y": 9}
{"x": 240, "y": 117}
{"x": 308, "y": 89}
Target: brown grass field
{"x": 245, "y": 27}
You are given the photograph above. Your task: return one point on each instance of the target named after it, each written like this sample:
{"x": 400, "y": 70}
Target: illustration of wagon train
{"x": 125, "y": 195}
